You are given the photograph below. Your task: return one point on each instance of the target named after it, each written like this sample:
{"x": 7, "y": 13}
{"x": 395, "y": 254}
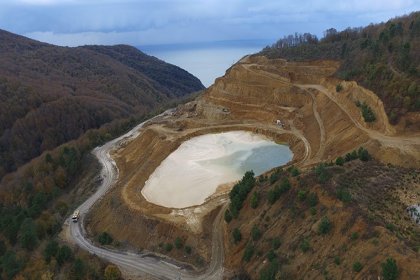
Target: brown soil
{"x": 369, "y": 229}
{"x": 320, "y": 125}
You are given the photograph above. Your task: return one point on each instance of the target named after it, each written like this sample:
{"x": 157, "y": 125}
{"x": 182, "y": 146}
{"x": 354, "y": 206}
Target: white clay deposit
{"x": 193, "y": 172}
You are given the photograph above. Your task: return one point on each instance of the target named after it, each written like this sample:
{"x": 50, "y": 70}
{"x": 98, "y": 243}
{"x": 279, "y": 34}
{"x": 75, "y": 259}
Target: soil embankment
{"x": 318, "y": 123}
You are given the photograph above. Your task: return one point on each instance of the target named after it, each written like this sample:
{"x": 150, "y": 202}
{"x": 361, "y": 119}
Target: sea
{"x": 207, "y": 61}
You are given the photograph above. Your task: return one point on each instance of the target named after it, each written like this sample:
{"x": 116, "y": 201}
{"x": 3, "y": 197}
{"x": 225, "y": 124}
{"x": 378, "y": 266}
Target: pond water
{"x": 193, "y": 172}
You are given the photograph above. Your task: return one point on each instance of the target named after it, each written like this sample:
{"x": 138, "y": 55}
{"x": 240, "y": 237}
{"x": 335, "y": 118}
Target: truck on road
{"x": 76, "y": 215}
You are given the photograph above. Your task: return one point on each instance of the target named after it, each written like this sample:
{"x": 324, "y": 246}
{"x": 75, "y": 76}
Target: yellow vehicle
{"x": 76, "y": 216}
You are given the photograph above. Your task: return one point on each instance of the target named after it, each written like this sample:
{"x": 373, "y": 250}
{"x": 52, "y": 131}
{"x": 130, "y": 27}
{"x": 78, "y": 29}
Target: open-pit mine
{"x": 173, "y": 175}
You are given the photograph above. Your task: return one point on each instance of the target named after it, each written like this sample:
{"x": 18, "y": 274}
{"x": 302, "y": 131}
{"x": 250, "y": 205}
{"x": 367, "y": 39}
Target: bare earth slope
{"x": 320, "y": 124}
{"x": 382, "y": 57}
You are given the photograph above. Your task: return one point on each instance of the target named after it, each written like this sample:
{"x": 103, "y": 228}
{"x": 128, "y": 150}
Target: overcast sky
{"x": 149, "y": 22}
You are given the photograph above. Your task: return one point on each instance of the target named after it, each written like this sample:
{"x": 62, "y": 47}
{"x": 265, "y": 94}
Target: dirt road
{"x": 400, "y": 142}
{"x": 408, "y": 145}
{"x": 152, "y": 266}
{"x": 139, "y": 264}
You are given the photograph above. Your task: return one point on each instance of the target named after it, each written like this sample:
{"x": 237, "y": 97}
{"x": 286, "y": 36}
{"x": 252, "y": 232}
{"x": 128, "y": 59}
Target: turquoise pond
{"x": 194, "y": 171}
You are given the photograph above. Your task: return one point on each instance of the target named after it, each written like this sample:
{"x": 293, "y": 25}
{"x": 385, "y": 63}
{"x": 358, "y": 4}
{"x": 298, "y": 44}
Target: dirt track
{"x": 388, "y": 138}
{"x": 406, "y": 144}
{"x": 305, "y": 121}
{"x": 135, "y": 264}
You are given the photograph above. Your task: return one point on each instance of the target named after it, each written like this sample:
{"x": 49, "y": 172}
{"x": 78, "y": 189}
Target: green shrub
{"x": 178, "y": 243}
{"x": 322, "y": 174}
{"x": 294, "y": 171}
{"x": 312, "y": 199}
{"x": 105, "y": 238}
{"x": 367, "y": 112}
{"x": 390, "y": 269}
{"x": 275, "y": 176}
{"x": 10, "y": 264}
{"x": 338, "y": 88}
{"x": 339, "y": 161}
{"x": 337, "y": 260}
{"x": 301, "y": 195}
{"x": 255, "y": 200}
{"x": 239, "y": 193}
{"x": 363, "y": 154}
{"x": 78, "y": 269}
{"x": 64, "y": 254}
{"x": 50, "y": 250}
{"x": 273, "y": 194}
{"x": 313, "y": 211}
{"x": 390, "y": 227}
{"x": 285, "y": 185}
{"x": 357, "y": 266}
{"x": 343, "y": 195}
{"x": 168, "y": 247}
{"x": 304, "y": 245}
{"x": 270, "y": 271}
{"x": 262, "y": 179}
{"x": 248, "y": 253}
{"x": 351, "y": 156}
{"x": 188, "y": 249}
{"x": 3, "y": 248}
{"x": 28, "y": 237}
{"x": 271, "y": 255}
{"x": 237, "y": 236}
{"x": 228, "y": 216}
{"x": 325, "y": 225}
{"x": 255, "y": 233}
{"x": 354, "y": 236}
{"x": 275, "y": 243}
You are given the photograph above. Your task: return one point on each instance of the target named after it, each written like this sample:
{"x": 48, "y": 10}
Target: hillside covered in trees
{"x": 50, "y": 95}
{"x": 325, "y": 223}
{"x": 56, "y": 104}
{"x": 384, "y": 58}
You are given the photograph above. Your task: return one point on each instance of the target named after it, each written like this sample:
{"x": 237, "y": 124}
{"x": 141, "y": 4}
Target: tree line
{"x": 384, "y": 58}
{"x": 35, "y": 200}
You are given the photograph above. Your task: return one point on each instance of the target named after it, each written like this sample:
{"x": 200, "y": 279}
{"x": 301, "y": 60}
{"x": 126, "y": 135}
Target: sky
{"x": 157, "y": 22}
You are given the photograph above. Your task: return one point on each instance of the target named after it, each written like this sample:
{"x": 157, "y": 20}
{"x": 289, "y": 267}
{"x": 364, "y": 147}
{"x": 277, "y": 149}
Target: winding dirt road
{"x": 388, "y": 140}
{"x": 140, "y": 264}
{"x": 406, "y": 144}
{"x": 153, "y": 266}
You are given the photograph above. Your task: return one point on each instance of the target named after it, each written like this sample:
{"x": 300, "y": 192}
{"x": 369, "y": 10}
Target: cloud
{"x": 351, "y": 6}
{"x": 76, "y": 22}
{"x": 40, "y": 2}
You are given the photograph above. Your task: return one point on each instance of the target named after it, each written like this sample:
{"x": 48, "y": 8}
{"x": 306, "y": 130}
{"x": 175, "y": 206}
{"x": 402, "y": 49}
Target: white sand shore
{"x": 192, "y": 172}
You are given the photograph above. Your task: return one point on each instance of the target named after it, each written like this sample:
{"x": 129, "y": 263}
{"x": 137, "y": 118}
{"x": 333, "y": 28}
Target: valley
{"x": 320, "y": 124}
{"x": 56, "y": 105}
{"x": 300, "y": 161}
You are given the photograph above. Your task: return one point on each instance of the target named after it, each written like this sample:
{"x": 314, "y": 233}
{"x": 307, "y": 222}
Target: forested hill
{"x": 384, "y": 58}
{"x": 50, "y": 95}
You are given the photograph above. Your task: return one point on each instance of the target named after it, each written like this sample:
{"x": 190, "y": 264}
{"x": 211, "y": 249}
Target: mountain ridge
{"x": 67, "y": 91}
{"x": 381, "y": 57}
